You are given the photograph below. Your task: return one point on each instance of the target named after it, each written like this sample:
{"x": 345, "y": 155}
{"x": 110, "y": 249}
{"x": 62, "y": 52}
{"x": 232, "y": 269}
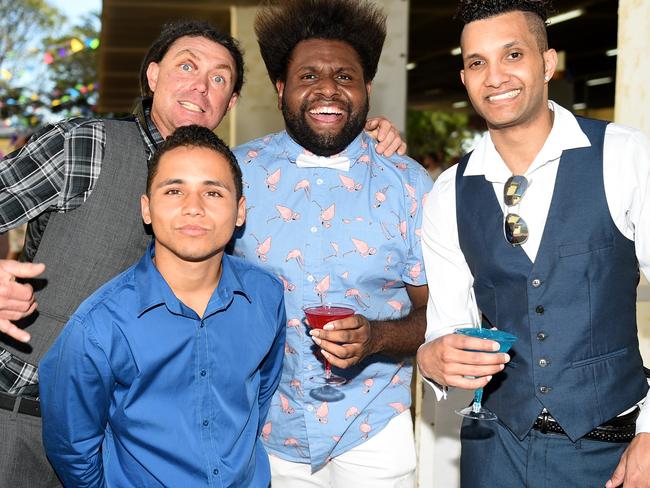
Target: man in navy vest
{"x": 545, "y": 223}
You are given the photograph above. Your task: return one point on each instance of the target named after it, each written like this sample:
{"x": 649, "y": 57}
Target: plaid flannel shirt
{"x": 55, "y": 171}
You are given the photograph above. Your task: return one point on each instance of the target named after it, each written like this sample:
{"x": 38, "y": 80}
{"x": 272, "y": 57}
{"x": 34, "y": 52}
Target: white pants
{"x": 386, "y": 460}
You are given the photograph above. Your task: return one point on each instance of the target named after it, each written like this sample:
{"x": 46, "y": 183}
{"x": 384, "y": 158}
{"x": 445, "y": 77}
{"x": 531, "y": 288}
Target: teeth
{"x": 191, "y": 106}
{"x": 504, "y": 96}
{"x": 325, "y": 110}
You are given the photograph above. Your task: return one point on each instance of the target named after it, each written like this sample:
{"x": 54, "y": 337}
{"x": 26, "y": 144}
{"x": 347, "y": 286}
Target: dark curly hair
{"x": 195, "y": 136}
{"x": 537, "y": 13}
{"x": 190, "y": 28}
{"x": 280, "y": 26}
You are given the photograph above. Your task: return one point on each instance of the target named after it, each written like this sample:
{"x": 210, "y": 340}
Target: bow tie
{"x": 341, "y": 163}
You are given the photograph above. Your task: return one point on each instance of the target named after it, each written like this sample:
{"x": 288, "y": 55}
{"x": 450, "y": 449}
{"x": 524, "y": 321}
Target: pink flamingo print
{"x": 293, "y": 442}
{"x": 397, "y": 381}
{"x": 304, "y": 185}
{"x": 401, "y": 166}
{"x": 266, "y": 430}
{"x": 252, "y": 154}
{"x": 297, "y": 255}
{"x": 351, "y": 412}
{"x": 348, "y": 183}
{"x": 362, "y": 248}
{"x": 389, "y": 262}
{"x": 414, "y": 208}
{"x": 285, "y": 213}
{"x": 368, "y": 383}
{"x": 345, "y": 275}
{"x": 410, "y": 190}
{"x": 380, "y": 197}
{"x": 396, "y": 306}
{"x": 288, "y": 286}
{"x": 365, "y": 427}
{"x": 285, "y": 405}
{"x": 365, "y": 159}
{"x": 322, "y": 287}
{"x": 398, "y": 406}
{"x": 272, "y": 179}
{"x": 262, "y": 248}
{"x": 322, "y": 412}
{"x": 354, "y": 292}
{"x": 415, "y": 272}
{"x": 388, "y": 285}
{"x": 295, "y": 323}
{"x": 288, "y": 349}
{"x": 296, "y": 385}
{"x": 335, "y": 246}
{"x": 327, "y": 215}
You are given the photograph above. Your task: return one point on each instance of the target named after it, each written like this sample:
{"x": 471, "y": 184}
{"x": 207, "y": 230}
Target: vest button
{"x": 544, "y": 389}
{"x": 539, "y": 309}
{"x": 536, "y": 283}
{"x": 544, "y": 362}
{"x": 541, "y": 336}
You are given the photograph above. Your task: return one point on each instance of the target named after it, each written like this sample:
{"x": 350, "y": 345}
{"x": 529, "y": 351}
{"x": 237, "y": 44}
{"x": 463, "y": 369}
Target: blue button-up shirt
{"x": 347, "y": 236}
{"x": 139, "y": 390}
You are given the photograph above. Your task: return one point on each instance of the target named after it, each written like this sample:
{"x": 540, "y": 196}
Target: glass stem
{"x": 478, "y": 397}
{"x": 328, "y": 370}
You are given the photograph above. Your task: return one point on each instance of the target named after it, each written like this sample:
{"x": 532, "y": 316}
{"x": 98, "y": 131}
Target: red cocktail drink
{"x": 317, "y": 317}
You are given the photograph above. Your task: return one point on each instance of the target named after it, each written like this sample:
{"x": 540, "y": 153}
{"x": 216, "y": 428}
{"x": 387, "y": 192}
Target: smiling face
{"x": 505, "y": 72}
{"x": 192, "y": 84}
{"x": 192, "y": 205}
{"x": 324, "y": 99}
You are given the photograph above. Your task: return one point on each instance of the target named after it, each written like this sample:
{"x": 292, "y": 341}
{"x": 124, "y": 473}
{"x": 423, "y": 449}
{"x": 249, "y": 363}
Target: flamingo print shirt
{"x": 349, "y": 237}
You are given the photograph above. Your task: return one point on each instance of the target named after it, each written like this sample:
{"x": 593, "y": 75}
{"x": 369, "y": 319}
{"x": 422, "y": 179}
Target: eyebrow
{"x": 190, "y": 53}
{"x": 506, "y": 46}
{"x": 337, "y": 70}
{"x": 179, "y": 181}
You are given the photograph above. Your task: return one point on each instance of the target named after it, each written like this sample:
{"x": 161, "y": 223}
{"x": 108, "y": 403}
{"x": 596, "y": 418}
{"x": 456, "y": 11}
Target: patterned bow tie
{"x": 341, "y": 163}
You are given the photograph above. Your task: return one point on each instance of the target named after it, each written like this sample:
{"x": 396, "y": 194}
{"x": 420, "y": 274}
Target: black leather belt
{"x": 27, "y": 406}
{"x": 618, "y": 429}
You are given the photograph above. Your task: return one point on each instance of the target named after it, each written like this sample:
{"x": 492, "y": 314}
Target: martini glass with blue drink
{"x": 506, "y": 340}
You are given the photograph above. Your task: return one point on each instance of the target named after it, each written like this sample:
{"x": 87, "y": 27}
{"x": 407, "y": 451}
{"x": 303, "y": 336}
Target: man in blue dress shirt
{"x": 336, "y": 222}
{"x": 164, "y": 376}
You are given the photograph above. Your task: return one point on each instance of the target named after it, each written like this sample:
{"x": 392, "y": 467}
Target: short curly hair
{"x": 173, "y": 31}
{"x": 280, "y": 26}
{"x": 538, "y": 12}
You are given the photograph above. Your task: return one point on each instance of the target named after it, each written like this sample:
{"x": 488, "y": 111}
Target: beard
{"x": 326, "y": 144}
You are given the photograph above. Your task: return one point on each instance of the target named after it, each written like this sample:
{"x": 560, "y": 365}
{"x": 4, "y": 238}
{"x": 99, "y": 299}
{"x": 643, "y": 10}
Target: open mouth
{"x": 504, "y": 96}
{"x": 191, "y": 107}
{"x": 327, "y": 114}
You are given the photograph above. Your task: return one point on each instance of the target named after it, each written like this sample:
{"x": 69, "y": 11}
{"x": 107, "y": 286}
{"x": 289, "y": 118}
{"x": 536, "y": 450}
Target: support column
{"x": 633, "y": 109}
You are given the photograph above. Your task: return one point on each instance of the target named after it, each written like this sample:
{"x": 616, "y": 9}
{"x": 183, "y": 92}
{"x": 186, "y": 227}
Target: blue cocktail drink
{"x": 505, "y": 340}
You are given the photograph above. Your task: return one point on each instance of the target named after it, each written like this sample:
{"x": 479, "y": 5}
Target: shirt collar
{"x": 154, "y": 291}
{"x": 565, "y": 134}
{"x": 148, "y": 130}
{"x": 292, "y": 149}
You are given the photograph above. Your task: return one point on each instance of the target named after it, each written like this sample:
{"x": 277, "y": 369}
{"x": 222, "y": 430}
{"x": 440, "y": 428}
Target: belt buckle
{"x": 543, "y": 428}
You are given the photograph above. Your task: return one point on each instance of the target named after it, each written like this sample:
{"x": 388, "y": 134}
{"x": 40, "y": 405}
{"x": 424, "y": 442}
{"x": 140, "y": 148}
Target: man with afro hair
{"x": 545, "y": 223}
{"x": 338, "y": 223}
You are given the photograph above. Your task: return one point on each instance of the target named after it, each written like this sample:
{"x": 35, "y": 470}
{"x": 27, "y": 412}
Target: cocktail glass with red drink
{"x": 318, "y": 315}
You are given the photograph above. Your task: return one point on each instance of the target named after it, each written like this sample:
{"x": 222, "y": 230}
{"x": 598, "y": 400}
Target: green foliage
{"x": 440, "y": 134}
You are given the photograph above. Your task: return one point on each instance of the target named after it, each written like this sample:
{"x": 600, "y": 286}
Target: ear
{"x": 233, "y": 100}
{"x": 279, "y": 86}
{"x": 152, "y": 75}
{"x": 369, "y": 88}
{"x": 550, "y": 63}
{"x": 241, "y": 212}
{"x": 144, "y": 209}
{"x": 462, "y": 76}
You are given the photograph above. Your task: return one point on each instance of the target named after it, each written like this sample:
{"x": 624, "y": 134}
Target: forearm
{"x": 400, "y": 337}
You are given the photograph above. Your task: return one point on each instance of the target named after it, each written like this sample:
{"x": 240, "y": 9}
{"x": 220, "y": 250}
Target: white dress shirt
{"x": 626, "y": 170}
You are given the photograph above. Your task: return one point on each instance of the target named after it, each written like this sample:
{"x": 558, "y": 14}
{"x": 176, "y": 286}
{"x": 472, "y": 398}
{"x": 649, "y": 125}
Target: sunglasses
{"x": 514, "y": 227}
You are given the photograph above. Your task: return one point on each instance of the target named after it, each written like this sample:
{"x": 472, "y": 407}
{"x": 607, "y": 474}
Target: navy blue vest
{"x": 573, "y": 309}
